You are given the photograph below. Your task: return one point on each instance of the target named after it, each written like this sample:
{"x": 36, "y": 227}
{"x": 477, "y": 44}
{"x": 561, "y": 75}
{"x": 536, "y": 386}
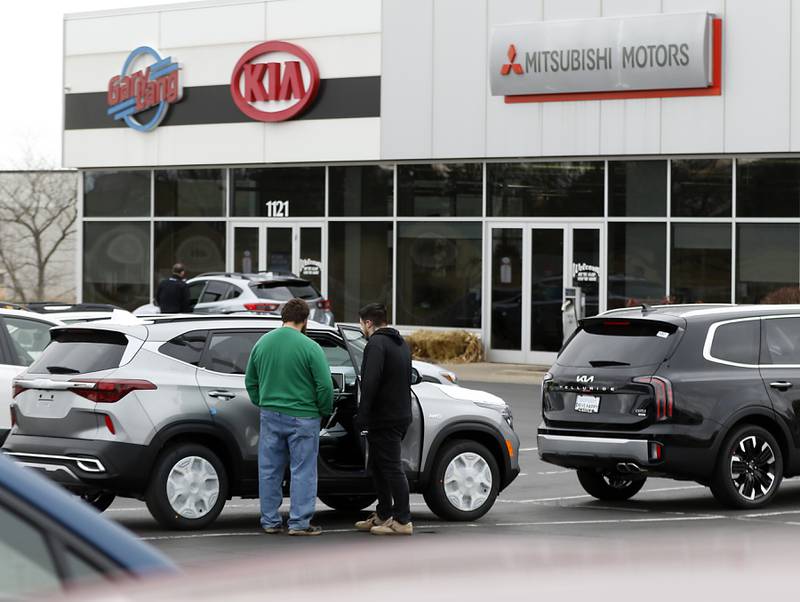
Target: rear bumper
{"x": 85, "y": 465}
{"x": 574, "y": 452}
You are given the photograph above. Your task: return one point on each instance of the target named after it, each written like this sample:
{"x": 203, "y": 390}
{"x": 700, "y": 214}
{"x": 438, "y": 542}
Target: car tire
{"x": 609, "y": 487}
{"x": 188, "y": 488}
{"x": 99, "y": 500}
{"x": 464, "y": 483}
{"x": 749, "y": 459}
{"x": 347, "y": 503}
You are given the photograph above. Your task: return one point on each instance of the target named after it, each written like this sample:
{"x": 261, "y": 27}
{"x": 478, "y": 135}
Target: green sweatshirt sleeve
{"x": 323, "y": 381}
{"x": 251, "y": 378}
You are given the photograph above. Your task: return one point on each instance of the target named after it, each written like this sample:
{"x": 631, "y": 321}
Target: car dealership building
{"x": 462, "y": 161}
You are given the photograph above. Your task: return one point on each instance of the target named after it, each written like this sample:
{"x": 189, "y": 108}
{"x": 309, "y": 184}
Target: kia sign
{"x": 274, "y": 81}
{"x": 608, "y": 55}
{"x": 147, "y": 81}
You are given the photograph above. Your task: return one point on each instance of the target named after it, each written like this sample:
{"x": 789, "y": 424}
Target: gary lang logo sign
{"x": 274, "y": 81}
{"x": 147, "y": 82}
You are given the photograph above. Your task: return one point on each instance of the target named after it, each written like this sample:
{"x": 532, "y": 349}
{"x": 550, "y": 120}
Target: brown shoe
{"x": 371, "y": 521}
{"x": 392, "y": 527}
{"x": 308, "y": 531}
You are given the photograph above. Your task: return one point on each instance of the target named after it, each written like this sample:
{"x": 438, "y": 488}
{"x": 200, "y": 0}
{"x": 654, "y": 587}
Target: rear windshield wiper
{"x": 62, "y": 370}
{"x": 604, "y": 363}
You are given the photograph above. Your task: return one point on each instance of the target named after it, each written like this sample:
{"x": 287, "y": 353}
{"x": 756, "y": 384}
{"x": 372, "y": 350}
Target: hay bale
{"x": 452, "y": 346}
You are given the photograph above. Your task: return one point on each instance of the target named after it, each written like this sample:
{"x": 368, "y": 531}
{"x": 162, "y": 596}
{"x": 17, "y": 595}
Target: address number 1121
{"x": 277, "y": 208}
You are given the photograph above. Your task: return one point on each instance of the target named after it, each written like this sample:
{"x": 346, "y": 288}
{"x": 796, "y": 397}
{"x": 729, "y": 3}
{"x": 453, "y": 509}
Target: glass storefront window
{"x": 359, "y": 267}
{"x": 506, "y": 288}
{"x": 121, "y": 193}
{"x": 439, "y": 271}
{"x": 440, "y": 190}
{"x": 702, "y": 188}
{"x": 190, "y": 192}
{"x": 701, "y": 263}
{"x": 116, "y": 263}
{"x": 637, "y": 264}
{"x": 768, "y": 188}
{"x": 767, "y": 259}
{"x": 568, "y": 189}
{"x": 637, "y": 188}
{"x": 361, "y": 190}
{"x": 278, "y": 192}
{"x": 200, "y": 246}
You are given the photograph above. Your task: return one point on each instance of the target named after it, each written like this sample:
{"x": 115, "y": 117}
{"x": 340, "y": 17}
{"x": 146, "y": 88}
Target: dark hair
{"x": 375, "y": 313}
{"x": 178, "y": 268}
{"x": 295, "y": 311}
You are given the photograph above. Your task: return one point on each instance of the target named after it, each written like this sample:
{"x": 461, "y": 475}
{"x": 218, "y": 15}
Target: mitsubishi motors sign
{"x": 274, "y": 81}
{"x": 620, "y": 57}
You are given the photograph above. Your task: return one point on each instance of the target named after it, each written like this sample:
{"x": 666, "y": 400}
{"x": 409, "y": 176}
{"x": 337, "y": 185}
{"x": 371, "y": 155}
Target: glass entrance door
{"x": 288, "y": 248}
{"x": 530, "y": 266}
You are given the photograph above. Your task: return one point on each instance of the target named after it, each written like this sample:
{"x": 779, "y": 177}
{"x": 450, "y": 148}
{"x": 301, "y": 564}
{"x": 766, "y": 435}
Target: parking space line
{"x": 663, "y": 519}
{"x": 527, "y": 449}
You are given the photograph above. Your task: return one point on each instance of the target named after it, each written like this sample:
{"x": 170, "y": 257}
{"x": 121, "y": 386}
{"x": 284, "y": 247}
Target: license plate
{"x": 588, "y": 404}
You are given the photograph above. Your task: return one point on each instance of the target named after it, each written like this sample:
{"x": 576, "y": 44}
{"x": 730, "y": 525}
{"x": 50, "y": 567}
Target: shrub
{"x": 446, "y": 346}
{"x": 782, "y": 296}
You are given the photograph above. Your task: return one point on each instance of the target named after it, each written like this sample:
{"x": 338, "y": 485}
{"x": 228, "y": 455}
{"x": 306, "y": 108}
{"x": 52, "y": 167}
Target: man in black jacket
{"x": 385, "y": 411}
{"x": 172, "y": 296}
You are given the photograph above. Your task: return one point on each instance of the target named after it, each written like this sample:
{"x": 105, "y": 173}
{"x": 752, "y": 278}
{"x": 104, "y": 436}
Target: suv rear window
{"x": 187, "y": 347}
{"x": 614, "y": 342}
{"x": 283, "y": 291}
{"x": 737, "y": 342}
{"x": 81, "y": 351}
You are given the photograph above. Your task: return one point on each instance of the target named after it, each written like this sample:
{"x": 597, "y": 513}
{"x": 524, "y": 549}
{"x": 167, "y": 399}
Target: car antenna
{"x": 645, "y": 308}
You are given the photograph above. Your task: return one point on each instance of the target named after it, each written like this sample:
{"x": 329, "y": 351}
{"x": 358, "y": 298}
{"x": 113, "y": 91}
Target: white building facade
{"x": 410, "y": 176}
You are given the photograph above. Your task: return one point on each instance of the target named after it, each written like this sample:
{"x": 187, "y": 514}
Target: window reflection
{"x": 702, "y": 188}
{"x": 123, "y": 193}
{"x": 545, "y": 189}
{"x": 200, "y": 246}
{"x": 116, "y": 263}
{"x": 361, "y": 190}
{"x": 637, "y": 188}
{"x": 507, "y": 288}
{"x": 278, "y": 192}
{"x": 637, "y": 264}
{"x": 190, "y": 192}
{"x": 766, "y": 262}
{"x": 439, "y": 274}
{"x": 440, "y": 190}
{"x": 701, "y": 263}
{"x": 768, "y": 188}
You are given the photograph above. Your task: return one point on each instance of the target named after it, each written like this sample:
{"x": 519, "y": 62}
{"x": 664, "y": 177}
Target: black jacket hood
{"x": 392, "y": 333}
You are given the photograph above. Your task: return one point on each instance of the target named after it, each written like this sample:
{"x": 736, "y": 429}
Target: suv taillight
{"x": 16, "y": 389}
{"x": 111, "y": 391}
{"x": 265, "y": 307}
{"x": 662, "y": 390}
{"x": 13, "y": 411}
{"x": 545, "y": 381}
{"x": 325, "y": 304}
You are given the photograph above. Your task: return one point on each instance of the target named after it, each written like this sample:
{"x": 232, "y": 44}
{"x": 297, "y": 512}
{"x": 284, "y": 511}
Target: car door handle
{"x": 781, "y": 385}
{"x": 222, "y": 394}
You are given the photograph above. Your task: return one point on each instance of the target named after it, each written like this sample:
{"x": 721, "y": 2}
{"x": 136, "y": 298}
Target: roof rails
{"x": 175, "y": 318}
{"x": 248, "y": 275}
{"x": 44, "y": 307}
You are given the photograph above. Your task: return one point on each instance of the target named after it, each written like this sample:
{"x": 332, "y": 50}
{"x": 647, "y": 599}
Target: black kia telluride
{"x": 705, "y": 393}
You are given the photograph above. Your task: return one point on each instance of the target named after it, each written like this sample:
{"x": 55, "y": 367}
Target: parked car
{"x": 159, "y": 411}
{"x": 23, "y": 337}
{"x": 428, "y": 373}
{"x": 51, "y": 541}
{"x": 693, "y": 392}
{"x": 232, "y": 292}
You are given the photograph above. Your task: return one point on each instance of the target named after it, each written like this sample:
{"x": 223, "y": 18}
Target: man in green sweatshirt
{"x": 288, "y": 377}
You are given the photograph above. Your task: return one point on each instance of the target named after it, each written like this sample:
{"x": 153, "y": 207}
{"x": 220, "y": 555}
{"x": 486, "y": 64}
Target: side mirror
{"x": 338, "y": 382}
{"x": 416, "y": 378}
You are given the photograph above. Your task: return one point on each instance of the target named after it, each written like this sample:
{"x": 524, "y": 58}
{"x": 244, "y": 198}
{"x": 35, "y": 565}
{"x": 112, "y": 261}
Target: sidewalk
{"x": 518, "y": 374}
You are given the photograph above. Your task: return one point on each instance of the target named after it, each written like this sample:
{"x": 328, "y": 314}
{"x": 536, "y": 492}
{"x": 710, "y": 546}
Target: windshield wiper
{"x": 62, "y": 370}
{"x": 604, "y": 363}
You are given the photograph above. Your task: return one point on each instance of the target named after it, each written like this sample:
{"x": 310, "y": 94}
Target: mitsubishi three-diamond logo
{"x": 511, "y": 65}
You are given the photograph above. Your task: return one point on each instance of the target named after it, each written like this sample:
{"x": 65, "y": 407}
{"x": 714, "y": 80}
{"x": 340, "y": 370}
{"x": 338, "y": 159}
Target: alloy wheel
{"x": 192, "y": 487}
{"x": 468, "y": 481}
{"x": 752, "y": 467}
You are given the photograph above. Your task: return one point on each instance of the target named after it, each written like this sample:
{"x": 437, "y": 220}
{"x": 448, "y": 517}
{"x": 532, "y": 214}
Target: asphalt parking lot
{"x": 545, "y": 504}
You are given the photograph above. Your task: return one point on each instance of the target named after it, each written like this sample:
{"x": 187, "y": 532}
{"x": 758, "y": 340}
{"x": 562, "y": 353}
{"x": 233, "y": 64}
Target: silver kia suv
{"x": 157, "y": 410}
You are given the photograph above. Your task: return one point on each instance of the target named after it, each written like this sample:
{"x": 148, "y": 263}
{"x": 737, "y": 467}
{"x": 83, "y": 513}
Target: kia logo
{"x": 585, "y": 379}
{"x": 274, "y": 81}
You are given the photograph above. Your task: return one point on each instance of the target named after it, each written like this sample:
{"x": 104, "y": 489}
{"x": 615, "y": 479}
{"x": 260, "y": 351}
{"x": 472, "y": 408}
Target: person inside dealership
{"x": 288, "y": 378}
{"x": 385, "y": 412}
{"x": 172, "y": 296}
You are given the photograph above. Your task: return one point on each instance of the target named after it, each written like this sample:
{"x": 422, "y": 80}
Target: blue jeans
{"x": 285, "y": 439}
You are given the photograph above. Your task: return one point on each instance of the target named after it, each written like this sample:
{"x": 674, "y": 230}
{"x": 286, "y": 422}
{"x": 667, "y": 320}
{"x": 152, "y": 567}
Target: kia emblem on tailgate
{"x": 585, "y": 379}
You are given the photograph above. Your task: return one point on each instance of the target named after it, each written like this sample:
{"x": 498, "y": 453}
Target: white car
{"x": 82, "y": 312}
{"x": 428, "y": 373}
{"x": 23, "y": 337}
